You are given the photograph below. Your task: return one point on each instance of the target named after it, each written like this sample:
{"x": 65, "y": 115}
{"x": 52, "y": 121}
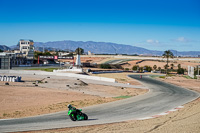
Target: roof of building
{"x": 26, "y": 40}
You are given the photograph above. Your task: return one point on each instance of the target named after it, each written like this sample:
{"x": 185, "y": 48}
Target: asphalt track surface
{"x": 161, "y": 98}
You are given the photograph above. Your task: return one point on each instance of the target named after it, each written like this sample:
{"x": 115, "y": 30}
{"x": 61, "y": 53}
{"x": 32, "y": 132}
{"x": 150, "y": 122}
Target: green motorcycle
{"x": 76, "y": 114}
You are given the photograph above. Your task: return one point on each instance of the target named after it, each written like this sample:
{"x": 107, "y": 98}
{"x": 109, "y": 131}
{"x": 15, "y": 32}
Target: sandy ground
{"x": 21, "y": 99}
{"x": 87, "y": 59}
{"x": 184, "y": 64}
{"x": 185, "y": 120}
{"x": 130, "y": 64}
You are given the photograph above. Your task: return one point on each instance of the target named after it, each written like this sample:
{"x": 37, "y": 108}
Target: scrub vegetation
{"x": 44, "y": 69}
{"x": 122, "y": 97}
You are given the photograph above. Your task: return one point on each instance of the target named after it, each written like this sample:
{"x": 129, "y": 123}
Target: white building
{"x": 61, "y": 54}
{"x": 89, "y": 53}
{"x": 26, "y": 48}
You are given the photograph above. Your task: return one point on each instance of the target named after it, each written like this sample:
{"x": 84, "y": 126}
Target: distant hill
{"x": 105, "y": 48}
{"x": 97, "y": 47}
{"x": 4, "y": 47}
{"x": 186, "y": 53}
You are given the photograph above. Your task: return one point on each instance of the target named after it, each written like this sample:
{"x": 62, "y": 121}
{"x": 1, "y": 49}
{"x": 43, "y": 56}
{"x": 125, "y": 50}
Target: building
{"x": 18, "y": 60}
{"x": 61, "y": 54}
{"x": 6, "y": 60}
{"x": 26, "y": 47}
{"x": 89, "y": 53}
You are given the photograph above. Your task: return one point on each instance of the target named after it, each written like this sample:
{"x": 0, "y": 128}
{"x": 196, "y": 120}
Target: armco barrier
{"x": 30, "y": 72}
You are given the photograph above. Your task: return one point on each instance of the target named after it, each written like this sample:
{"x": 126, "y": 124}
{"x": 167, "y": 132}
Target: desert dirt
{"x": 184, "y": 120}
{"x": 87, "y": 59}
{"x": 131, "y": 63}
{"x": 161, "y": 64}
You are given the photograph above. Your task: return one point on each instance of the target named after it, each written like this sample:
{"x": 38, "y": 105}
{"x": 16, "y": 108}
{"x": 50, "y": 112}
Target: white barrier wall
{"x": 10, "y": 78}
{"x": 69, "y": 70}
{"x": 30, "y": 72}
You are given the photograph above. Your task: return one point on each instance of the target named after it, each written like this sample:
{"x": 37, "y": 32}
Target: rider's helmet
{"x": 69, "y": 105}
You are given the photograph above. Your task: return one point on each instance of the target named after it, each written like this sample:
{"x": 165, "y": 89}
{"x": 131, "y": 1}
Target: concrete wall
{"x": 30, "y": 72}
{"x": 68, "y": 70}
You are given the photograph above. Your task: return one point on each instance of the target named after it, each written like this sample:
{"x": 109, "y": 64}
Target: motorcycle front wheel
{"x": 73, "y": 116}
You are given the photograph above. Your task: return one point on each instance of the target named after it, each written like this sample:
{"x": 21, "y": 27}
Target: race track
{"x": 161, "y": 98}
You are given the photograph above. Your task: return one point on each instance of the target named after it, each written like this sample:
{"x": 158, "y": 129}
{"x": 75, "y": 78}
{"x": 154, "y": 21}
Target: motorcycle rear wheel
{"x": 85, "y": 116}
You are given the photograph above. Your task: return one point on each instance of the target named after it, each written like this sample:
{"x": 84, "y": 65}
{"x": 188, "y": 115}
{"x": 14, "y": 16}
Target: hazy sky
{"x": 151, "y": 24}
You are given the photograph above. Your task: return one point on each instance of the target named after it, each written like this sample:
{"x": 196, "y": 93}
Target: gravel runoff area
{"x": 184, "y": 120}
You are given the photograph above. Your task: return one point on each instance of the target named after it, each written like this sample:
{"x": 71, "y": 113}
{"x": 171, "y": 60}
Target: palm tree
{"x": 79, "y": 51}
{"x": 154, "y": 67}
{"x": 167, "y": 54}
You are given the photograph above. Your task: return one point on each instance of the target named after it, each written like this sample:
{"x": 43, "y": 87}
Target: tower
{"x": 78, "y": 61}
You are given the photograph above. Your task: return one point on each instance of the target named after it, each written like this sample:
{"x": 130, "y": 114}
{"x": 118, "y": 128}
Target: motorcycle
{"x": 76, "y": 114}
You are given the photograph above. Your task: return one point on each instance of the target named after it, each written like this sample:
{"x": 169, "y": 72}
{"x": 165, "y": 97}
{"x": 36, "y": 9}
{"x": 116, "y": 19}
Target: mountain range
{"x": 4, "y": 47}
{"x": 102, "y": 48}
{"x": 107, "y": 48}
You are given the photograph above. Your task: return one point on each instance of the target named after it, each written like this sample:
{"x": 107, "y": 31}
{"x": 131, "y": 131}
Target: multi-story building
{"x": 26, "y": 47}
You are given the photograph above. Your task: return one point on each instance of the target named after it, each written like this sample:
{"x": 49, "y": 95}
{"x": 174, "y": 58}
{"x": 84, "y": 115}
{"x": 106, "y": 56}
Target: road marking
{"x": 181, "y": 106}
{"x": 172, "y": 110}
{"x": 161, "y": 114}
{"x": 145, "y": 118}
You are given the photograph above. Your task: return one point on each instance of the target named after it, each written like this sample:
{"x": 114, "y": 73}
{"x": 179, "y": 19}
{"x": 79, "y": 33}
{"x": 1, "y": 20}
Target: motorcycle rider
{"x": 70, "y": 107}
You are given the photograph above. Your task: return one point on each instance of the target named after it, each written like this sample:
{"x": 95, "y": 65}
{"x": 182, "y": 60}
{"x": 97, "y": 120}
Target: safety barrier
{"x": 10, "y": 78}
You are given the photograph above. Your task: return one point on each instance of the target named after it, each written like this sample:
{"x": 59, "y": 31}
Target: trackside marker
{"x": 172, "y": 110}
{"x": 179, "y": 107}
{"x": 161, "y": 114}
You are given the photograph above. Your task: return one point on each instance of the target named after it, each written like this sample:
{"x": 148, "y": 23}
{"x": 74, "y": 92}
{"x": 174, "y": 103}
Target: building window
{"x": 24, "y": 47}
